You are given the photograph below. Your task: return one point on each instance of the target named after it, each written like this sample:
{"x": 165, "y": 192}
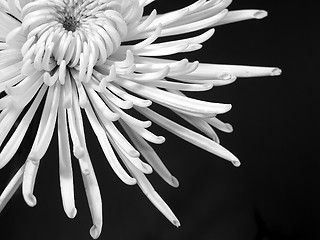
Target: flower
{"x": 100, "y": 58}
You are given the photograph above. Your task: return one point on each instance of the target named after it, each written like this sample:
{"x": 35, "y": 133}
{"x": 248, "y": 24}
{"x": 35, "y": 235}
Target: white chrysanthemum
{"x": 99, "y": 58}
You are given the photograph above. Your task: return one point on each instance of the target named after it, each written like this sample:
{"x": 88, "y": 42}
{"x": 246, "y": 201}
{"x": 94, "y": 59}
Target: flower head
{"x": 99, "y": 58}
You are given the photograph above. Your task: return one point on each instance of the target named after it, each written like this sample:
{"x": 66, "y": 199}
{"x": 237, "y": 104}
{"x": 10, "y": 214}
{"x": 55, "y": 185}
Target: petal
{"x": 94, "y": 199}
{"x": 7, "y": 24}
{"x": 215, "y": 122}
{"x": 10, "y": 71}
{"x": 241, "y": 15}
{"x": 8, "y": 119}
{"x": 100, "y": 105}
{"x": 24, "y": 2}
{"x": 106, "y": 147}
{"x": 14, "y": 9}
{"x": 203, "y": 11}
{"x": 189, "y": 27}
{"x": 29, "y": 177}
{"x": 175, "y": 101}
{"x": 15, "y": 140}
{"x": 153, "y": 196}
{"x": 65, "y": 167}
{"x": 125, "y": 95}
{"x": 205, "y": 70}
{"x": 190, "y": 136}
{"x": 11, "y": 188}
{"x": 202, "y": 125}
{"x": 176, "y": 16}
{"x": 130, "y": 120}
{"x": 47, "y": 124}
{"x": 151, "y": 156}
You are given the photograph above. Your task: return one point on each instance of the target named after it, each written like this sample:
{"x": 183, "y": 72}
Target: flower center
{"x": 70, "y": 24}
{"x": 77, "y": 34}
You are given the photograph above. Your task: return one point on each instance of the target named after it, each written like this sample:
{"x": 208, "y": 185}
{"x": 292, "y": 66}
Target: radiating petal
{"x": 241, "y": 15}
{"x": 47, "y": 123}
{"x": 190, "y": 136}
{"x": 175, "y": 101}
{"x": 65, "y": 167}
{"x": 11, "y": 188}
{"x": 15, "y": 140}
{"x": 153, "y": 196}
{"x": 94, "y": 199}
{"x": 106, "y": 147}
{"x": 151, "y": 156}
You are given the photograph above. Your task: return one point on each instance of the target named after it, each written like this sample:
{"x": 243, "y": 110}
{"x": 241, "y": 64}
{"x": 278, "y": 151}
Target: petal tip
{"x": 72, "y": 213}
{"x": 228, "y": 107}
{"x": 236, "y": 163}
{"x": 174, "y": 182}
{"x": 95, "y": 231}
{"x": 31, "y": 200}
{"x": 176, "y": 223}
{"x": 276, "y": 72}
{"x": 229, "y": 127}
{"x": 260, "y": 14}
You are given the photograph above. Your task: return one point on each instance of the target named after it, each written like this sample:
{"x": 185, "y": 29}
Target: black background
{"x": 273, "y": 195}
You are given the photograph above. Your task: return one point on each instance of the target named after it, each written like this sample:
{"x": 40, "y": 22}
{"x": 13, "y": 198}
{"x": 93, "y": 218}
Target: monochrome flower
{"x": 100, "y": 58}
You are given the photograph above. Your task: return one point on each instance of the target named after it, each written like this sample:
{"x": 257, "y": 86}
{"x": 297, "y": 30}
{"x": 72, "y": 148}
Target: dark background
{"x": 275, "y": 192}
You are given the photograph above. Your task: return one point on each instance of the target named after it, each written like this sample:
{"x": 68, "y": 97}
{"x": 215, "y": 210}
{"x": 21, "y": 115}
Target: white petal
{"x": 176, "y": 16}
{"x": 130, "y": 120}
{"x": 9, "y": 57}
{"x": 14, "y": 142}
{"x": 7, "y": 24}
{"x": 215, "y": 122}
{"x": 77, "y": 132}
{"x": 22, "y": 87}
{"x": 83, "y": 98}
{"x": 112, "y": 99}
{"x": 241, "y": 15}
{"x": 125, "y": 95}
{"x": 67, "y": 92}
{"x": 153, "y": 196}
{"x": 147, "y": 41}
{"x": 106, "y": 147}
{"x": 47, "y": 123}
{"x": 151, "y": 156}
{"x": 65, "y": 167}
{"x": 202, "y": 125}
{"x": 29, "y": 177}
{"x": 94, "y": 199}
{"x": 175, "y": 101}
{"x": 145, "y": 2}
{"x": 190, "y": 136}
{"x": 142, "y": 25}
{"x": 8, "y": 119}
{"x": 190, "y": 27}
{"x": 14, "y": 10}
{"x": 140, "y": 165}
{"x": 11, "y": 188}
{"x": 193, "y": 40}
{"x": 237, "y": 70}
{"x": 147, "y": 135}
{"x": 16, "y": 38}
{"x": 181, "y": 86}
{"x": 149, "y": 77}
{"x": 10, "y": 71}
{"x": 204, "y": 11}
{"x": 116, "y": 135}
{"x": 24, "y": 2}
{"x": 4, "y": 6}
{"x": 100, "y": 105}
